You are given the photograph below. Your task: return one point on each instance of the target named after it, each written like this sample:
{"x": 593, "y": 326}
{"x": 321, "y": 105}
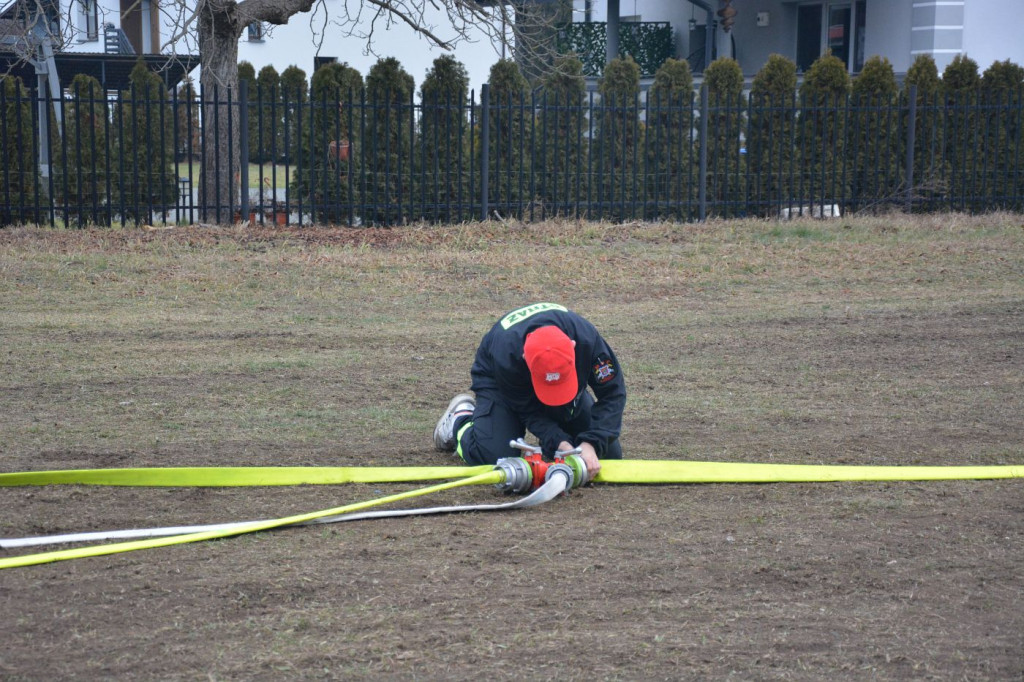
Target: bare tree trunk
{"x": 219, "y": 29}
{"x": 219, "y": 25}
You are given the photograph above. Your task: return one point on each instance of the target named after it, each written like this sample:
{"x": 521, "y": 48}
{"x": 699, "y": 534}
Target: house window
{"x": 89, "y": 20}
{"x": 808, "y": 35}
{"x": 256, "y": 32}
{"x": 834, "y": 26}
{"x": 838, "y": 32}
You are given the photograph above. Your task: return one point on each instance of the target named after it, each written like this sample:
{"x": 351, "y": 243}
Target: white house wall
{"x": 994, "y": 31}
{"x": 76, "y": 39}
{"x": 753, "y": 43}
{"x": 109, "y": 12}
{"x": 986, "y": 30}
{"x": 888, "y": 32}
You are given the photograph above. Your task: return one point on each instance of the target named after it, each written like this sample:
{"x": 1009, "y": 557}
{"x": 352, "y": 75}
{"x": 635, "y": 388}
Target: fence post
{"x": 43, "y": 107}
{"x": 911, "y": 142}
{"x": 702, "y": 181}
{"x": 485, "y": 146}
{"x": 243, "y": 148}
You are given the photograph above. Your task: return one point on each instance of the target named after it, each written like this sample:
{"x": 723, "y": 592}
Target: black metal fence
{"x": 349, "y": 161}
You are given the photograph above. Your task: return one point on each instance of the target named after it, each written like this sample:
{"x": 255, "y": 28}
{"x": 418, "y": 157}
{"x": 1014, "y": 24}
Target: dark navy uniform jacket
{"x": 499, "y": 372}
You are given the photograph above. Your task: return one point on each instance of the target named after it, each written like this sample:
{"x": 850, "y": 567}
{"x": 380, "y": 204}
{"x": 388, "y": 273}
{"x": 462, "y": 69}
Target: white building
{"x": 106, "y": 37}
{"x": 984, "y": 30}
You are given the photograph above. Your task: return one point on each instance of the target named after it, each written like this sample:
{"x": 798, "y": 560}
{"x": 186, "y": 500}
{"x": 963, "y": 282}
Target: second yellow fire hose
{"x": 612, "y": 471}
{"x": 488, "y": 477}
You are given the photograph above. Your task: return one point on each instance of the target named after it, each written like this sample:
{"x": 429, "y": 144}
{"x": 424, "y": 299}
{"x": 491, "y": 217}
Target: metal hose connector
{"x": 518, "y": 475}
{"x": 562, "y": 469}
{"x": 580, "y": 476}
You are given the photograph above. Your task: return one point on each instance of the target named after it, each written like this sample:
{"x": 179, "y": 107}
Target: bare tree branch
{"x": 399, "y": 12}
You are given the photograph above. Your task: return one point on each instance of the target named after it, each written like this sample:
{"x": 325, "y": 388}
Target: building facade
{"x": 802, "y": 30}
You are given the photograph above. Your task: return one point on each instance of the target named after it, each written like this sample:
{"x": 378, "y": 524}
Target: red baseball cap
{"x": 551, "y": 356}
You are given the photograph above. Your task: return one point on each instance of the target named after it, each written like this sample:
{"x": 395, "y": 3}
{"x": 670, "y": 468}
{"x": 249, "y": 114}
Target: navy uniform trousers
{"x": 483, "y": 438}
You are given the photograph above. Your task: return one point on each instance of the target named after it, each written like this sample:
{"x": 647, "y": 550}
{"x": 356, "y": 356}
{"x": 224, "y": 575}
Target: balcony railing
{"x": 115, "y": 41}
{"x": 649, "y": 43}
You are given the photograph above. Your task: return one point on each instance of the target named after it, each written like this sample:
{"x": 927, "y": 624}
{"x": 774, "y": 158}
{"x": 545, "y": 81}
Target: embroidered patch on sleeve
{"x": 604, "y": 369}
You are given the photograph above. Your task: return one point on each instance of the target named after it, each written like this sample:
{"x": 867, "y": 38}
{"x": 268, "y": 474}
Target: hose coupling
{"x": 518, "y": 475}
{"x": 580, "y": 475}
{"x": 528, "y": 472}
{"x": 565, "y": 470}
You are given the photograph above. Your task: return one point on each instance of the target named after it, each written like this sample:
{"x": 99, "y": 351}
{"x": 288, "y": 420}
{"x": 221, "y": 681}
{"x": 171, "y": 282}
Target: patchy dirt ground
{"x": 890, "y": 581}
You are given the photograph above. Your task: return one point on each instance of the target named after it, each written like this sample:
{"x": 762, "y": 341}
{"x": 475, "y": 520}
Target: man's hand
{"x": 589, "y": 456}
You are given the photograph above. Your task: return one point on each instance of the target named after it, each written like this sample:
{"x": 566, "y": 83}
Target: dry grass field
{"x": 882, "y": 340}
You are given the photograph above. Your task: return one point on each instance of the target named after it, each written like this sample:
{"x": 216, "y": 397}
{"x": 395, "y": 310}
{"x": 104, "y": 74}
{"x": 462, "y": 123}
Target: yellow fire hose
{"x": 612, "y": 471}
{"x": 670, "y": 471}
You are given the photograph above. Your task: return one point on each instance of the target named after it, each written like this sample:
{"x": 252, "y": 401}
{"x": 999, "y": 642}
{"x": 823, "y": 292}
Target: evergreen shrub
{"x": 770, "y": 135}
